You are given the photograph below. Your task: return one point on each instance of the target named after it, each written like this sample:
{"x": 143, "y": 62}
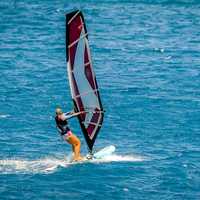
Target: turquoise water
{"x": 147, "y": 63}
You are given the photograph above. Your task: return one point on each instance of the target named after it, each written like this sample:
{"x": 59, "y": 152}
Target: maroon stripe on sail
{"x": 88, "y": 71}
{"x": 91, "y": 126}
{"x": 75, "y": 28}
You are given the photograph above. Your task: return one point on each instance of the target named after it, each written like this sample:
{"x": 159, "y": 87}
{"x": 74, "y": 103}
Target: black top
{"x": 62, "y": 125}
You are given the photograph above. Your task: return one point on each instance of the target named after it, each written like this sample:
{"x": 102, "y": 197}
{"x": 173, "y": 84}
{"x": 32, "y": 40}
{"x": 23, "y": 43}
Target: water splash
{"x": 51, "y": 164}
{"x": 46, "y": 165}
{"x": 120, "y": 158}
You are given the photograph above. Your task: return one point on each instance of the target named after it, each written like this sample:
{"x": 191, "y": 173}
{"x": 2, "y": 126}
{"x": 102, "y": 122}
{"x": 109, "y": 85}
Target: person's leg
{"x": 77, "y": 148}
{"x": 76, "y": 145}
{"x": 72, "y": 148}
{"x": 72, "y": 151}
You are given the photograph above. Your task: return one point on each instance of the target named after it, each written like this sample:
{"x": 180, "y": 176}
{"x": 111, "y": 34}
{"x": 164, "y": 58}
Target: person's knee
{"x": 78, "y": 142}
{"x": 77, "y": 145}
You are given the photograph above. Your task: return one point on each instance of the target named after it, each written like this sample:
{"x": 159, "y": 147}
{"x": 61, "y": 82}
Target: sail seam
{"x": 73, "y": 17}
{"x": 86, "y": 64}
{"x": 76, "y": 41}
{"x": 93, "y": 123}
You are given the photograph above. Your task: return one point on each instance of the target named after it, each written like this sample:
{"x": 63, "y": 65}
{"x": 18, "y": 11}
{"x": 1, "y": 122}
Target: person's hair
{"x": 58, "y": 111}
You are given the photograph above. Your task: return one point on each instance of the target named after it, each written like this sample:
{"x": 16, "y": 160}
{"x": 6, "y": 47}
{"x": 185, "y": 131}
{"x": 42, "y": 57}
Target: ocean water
{"x": 146, "y": 56}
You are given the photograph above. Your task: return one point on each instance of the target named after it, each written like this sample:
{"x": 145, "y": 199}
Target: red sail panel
{"x": 82, "y": 80}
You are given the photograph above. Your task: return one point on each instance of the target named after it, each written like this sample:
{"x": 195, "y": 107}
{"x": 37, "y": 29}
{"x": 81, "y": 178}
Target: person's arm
{"x": 74, "y": 114}
{"x": 71, "y": 114}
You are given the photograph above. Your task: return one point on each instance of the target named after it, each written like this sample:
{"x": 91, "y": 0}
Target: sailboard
{"x": 82, "y": 79}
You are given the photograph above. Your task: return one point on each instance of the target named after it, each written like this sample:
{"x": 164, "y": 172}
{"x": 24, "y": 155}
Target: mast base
{"x": 90, "y": 155}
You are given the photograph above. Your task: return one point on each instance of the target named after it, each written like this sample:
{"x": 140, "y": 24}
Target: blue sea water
{"x": 146, "y": 56}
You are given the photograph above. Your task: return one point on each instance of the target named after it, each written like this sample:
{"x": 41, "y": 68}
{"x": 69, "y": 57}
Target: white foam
{"x": 120, "y": 158}
{"x": 46, "y": 165}
{"x": 4, "y": 116}
{"x": 51, "y": 164}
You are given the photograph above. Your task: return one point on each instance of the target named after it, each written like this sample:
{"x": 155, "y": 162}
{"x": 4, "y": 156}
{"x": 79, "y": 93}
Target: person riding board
{"x": 63, "y": 127}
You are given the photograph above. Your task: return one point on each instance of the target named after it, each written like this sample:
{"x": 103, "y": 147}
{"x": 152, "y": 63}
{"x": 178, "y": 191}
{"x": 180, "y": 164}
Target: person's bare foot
{"x": 78, "y": 159}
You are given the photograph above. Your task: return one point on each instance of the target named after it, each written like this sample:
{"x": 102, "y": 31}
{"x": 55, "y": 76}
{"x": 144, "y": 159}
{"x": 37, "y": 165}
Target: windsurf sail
{"x": 82, "y": 80}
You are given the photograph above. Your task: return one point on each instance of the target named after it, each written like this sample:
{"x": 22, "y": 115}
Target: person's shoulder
{"x": 64, "y": 116}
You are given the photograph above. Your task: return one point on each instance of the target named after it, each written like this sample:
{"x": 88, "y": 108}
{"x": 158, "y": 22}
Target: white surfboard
{"x": 106, "y": 151}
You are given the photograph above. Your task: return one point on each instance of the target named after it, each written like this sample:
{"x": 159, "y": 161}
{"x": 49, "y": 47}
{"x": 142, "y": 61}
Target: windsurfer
{"x": 63, "y": 127}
